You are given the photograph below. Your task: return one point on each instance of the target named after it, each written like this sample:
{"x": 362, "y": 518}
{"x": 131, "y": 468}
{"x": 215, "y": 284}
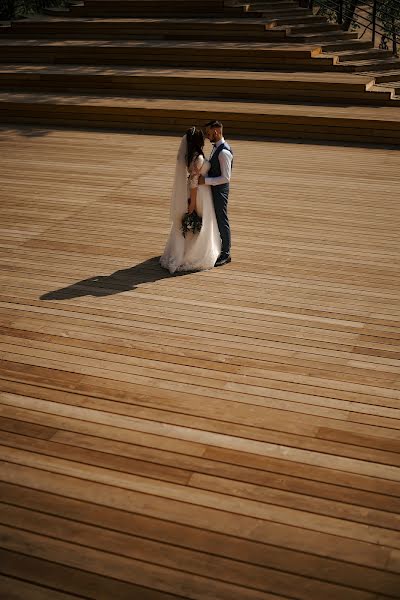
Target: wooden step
{"x": 183, "y": 28}
{"x": 310, "y": 26}
{"x": 248, "y": 119}
{"x": 155, "y": 5}
{"x": 56, "y": 11}
{"x": 306, "y": 87}
{"x": 392, "y": 75}
{"x": 333, "y": 46}
{"x": 389, "y": 85}
{"x": 163, "y": 53}
{"x": 385, "y": 64}
{"x": 295, "y": 11}
{"x": 151, "y": 8}
{"x": 205, "y": 28}
{"x": 321, "y": 37}
{"x": 80, "y": 11}
{"x": 270, "y": 5}
{"x": 282, "y": 12}
{"x": 361, "y": 54}
{"x": 301, "y": 21}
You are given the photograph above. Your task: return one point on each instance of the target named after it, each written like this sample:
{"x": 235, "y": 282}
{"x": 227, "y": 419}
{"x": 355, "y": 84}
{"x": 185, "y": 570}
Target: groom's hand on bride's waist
{"x": 201, "y": 180}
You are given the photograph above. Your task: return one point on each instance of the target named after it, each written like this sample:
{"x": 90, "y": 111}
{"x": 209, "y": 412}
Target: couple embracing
{"x": 201, "y": 187}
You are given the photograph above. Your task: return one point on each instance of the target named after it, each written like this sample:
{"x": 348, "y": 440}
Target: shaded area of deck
{"x": 231, "y": 434}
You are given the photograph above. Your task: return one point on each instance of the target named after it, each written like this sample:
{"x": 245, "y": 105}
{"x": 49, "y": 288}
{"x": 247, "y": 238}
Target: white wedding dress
{"x": 199, "y": 251}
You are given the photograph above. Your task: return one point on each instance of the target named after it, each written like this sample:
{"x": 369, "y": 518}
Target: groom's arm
{"x": 225, "y": 161}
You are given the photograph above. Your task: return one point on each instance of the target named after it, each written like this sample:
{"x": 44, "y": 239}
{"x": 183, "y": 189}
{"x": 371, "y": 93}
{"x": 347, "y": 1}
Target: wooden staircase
{"x": 267, "y": 68}
{"x": 151, "y": 8}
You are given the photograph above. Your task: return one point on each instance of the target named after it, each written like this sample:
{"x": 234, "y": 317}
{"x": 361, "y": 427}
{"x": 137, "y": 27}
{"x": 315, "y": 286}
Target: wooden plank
{"x": 75, "y": 582}
{"x": 30, "y": 429}
{"x": 17, "y": 589}
{"x": 210, "y": 519}
{"x": 269, "y": 418}
{"x": 282, "y": 364}
{"x": 172, "y": 451}
{"x": 125, "y": 569}
{"x": 24, "y": 328}
{"x": 229, "y": 439}
{"x": 17, "y": 372}
{"x": 191, "y": 562}
{"x": 204, "y": 498}
{"x": 256, "y": 490}
{"x": 341, "y": 398}
{"x": 203, "y": 541}
{"x": 366, "y": 390}
{"x": 110, "y": 461}
{"x": 253, "y": 395}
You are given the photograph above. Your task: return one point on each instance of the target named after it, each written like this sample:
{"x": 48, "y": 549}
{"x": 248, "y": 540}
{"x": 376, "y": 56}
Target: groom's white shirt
{"x": 225, "y": 161}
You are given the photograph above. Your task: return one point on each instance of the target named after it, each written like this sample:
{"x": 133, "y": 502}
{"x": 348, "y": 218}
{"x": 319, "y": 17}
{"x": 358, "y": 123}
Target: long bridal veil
{"x": 179, "y": 196}
{"x": 174, "y": 251}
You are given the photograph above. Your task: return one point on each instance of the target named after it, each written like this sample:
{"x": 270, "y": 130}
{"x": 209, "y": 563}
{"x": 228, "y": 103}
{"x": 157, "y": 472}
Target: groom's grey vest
{"x": 220, "y": 195}
{"x": 215, "y": 168}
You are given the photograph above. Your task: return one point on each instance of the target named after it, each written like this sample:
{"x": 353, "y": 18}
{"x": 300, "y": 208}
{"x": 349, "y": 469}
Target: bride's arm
{"x": 193, "y": 199}
{"x": 194, "y": 172}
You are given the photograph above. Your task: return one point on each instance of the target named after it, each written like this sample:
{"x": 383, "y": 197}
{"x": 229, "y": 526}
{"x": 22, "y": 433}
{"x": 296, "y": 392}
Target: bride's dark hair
{"x": 195, "y": 144}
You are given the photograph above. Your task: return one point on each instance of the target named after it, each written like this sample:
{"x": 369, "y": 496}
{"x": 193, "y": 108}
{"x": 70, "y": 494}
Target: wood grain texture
{"x": 217, "y": 435}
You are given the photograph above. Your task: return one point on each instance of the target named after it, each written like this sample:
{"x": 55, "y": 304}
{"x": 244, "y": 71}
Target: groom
{"x": 218, "y": 178}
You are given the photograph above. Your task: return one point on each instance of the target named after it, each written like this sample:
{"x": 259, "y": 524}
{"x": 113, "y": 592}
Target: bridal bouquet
{"x": 191, "y": 222}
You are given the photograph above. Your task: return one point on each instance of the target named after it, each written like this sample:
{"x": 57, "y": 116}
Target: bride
{"x": 195, "y": 251}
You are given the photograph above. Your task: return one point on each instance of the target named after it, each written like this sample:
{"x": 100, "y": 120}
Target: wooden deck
{"x": 225, "y": 435}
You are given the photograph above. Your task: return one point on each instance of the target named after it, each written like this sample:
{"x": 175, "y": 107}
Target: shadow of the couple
{"x": 116, "y": 283}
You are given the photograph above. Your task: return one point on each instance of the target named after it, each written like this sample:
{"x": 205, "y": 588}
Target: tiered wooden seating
{"x": 180, "y": 83}
{"x": 113, "y": 58}
{"x": 146, "y": 53}
{"x": 361, "y": 124}
{"x": 190, "y": 29}
{"x": 152, "y": 8}
{"x": 390, "y": 79}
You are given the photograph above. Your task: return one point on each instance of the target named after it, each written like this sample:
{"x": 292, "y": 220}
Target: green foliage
{"x": 387, "y": 14}
{"x": 14, "y": 9}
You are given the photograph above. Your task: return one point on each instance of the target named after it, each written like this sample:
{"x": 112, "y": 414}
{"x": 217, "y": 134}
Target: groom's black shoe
{"x": 223, "y": 259}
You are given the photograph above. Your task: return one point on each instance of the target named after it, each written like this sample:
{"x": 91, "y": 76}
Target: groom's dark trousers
{"x": 220, "y": 195}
